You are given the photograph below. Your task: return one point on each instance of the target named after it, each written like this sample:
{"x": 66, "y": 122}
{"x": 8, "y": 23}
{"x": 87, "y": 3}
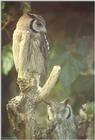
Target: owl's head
{"x": 32, "y": 22}
{"x": 60, "y": 110}
{"x": 38, "y": 23}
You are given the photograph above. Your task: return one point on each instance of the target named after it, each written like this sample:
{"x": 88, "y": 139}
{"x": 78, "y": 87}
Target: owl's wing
{"x": 16, "y": 48}
{"x": 24, "y": 53}
{"x": 21, "y": 43}
{"x": 44, "y": 50}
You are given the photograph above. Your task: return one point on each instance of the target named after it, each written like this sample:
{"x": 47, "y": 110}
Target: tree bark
{"x": 21, "y": 110}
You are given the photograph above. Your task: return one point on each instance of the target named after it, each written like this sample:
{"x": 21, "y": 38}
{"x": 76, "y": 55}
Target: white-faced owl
{"x": 61, "y": 114}
{"x": 30, "y": 50}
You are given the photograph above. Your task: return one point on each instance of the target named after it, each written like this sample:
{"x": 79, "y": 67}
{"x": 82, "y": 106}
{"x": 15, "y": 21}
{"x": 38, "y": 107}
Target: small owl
{"x": 30, "y": 50}
{"x": 61, "y": 114}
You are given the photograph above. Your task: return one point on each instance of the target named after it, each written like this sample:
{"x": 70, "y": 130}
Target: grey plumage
{"x": 61, "y": 114}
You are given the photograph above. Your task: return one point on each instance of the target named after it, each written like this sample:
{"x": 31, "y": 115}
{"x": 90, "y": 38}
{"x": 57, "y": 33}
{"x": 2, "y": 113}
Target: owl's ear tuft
{"x": 66, "y": 101}
{"x": 47, "y": 102}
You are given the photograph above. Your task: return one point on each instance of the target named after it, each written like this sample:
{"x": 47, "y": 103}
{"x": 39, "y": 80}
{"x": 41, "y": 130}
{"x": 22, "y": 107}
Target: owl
{"x": 61, "y": 114}
{"x": 30, "y": 50}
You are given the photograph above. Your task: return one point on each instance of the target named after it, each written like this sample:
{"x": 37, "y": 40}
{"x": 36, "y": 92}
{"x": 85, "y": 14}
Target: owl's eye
{"x": 39, "y": 24}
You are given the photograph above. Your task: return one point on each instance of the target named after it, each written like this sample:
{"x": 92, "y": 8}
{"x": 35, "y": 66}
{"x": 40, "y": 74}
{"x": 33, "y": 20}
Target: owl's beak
{"x": 44, "y": 30}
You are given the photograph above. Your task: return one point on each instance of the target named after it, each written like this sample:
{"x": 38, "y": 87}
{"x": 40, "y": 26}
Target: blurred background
{"x": 70, "y": 27}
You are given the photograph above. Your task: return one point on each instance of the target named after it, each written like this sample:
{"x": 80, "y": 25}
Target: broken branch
{"x": 45, "y": 91}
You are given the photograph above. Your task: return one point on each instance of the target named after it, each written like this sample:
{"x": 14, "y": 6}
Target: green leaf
{"x": 72, "y": 65}
{"x": 89, "y": 108}
{"x": 7, "y": 59}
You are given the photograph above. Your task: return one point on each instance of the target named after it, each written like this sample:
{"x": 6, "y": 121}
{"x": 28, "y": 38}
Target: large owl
{"x": 30, "y": 49}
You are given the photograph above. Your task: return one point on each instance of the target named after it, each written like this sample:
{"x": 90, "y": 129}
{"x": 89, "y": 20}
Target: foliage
{"x": 26, "y": 7}
{"x": 2, "y": 5}
{"x": 4, "y": 14}
{"x": 9, "y": 8}
{"x": 89, "y": 108}
{"x": 72, "y": 63}
{"x": 7, "y": 59}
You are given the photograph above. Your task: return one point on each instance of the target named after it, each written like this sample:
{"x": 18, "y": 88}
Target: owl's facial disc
{"x": 38, "y": 27}
{"x": 50, "y": 113}
{"x": 66, "y": 112}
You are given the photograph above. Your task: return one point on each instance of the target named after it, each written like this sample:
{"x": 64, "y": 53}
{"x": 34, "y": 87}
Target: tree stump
{"x": 21, "y": 110}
